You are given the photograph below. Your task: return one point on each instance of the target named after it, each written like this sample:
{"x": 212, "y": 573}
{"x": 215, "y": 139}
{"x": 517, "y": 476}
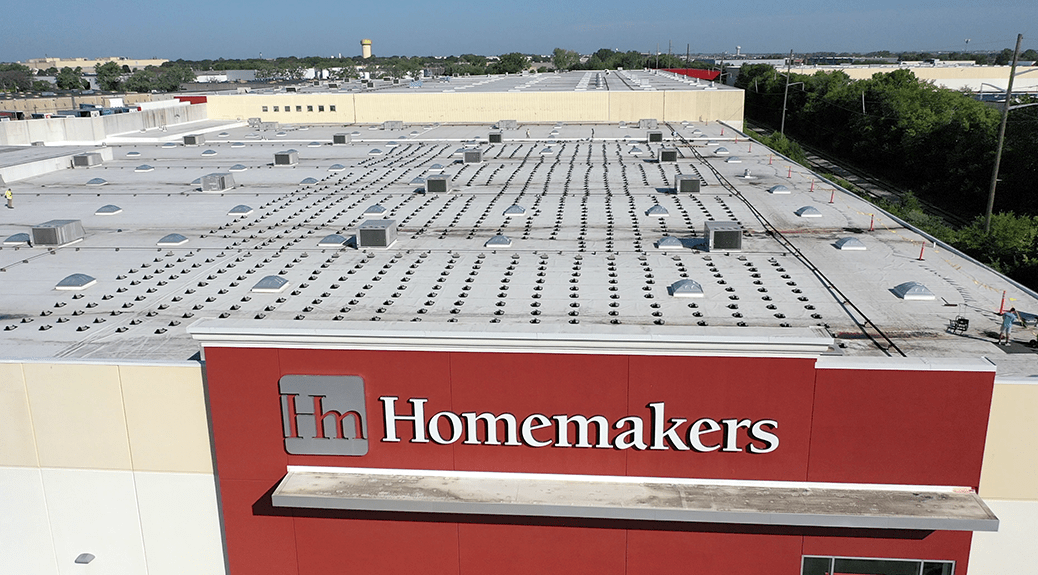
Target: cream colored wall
{"x": 376, "y": 107}
{"x": 954, "y": 78}
{"x": 1011, "y": 454}
{"x": 107, "y": 459}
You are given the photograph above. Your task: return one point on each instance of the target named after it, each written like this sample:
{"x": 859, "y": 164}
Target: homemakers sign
{"x": 325, "y": 415}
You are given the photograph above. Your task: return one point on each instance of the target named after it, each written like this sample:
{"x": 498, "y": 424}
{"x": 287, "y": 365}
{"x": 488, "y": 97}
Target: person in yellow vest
{"x": 9, "y": 196}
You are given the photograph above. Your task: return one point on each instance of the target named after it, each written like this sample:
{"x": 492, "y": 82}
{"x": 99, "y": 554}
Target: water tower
{"x": 365, "y": 48}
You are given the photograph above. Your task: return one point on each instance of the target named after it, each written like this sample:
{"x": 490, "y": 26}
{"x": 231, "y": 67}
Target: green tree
{"x": 109, "y": 75}
{"x": 141, "y": 81}
{"x": 169, "y": 78}
{"x": 511, "y": 63}
{"x": 15, "y": 77}
{"x": 70, "y": 79}
{"x": 564, "y": 59}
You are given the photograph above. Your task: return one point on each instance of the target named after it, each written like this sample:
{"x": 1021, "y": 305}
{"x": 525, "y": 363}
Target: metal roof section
{"x": 851, "y": 244}
{"x": 172, "y": 240}
{"x": 914, "y": 291}
{"x": 270, "y": 284}
{"x": 686, "y": 288}
{"x": 108, "y": 210}
{"x": 800, "y": 504}
{"x": 75, "y": 282}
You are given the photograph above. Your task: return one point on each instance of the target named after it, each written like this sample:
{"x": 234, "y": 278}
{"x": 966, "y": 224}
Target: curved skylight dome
{"x": 414, "y": 133}
{"x": 308, "y": 181}
{"x": 133, "y": 154}
{"x": 291, "y": 151}
{"x": 355, "y": 133}
{"x": 547, "y": 151}
{"x": 418, "y": 181}
{"x": 333, "y": 240}
{"x": 375, "y": 209}
{"x": 435, "y": 168}
{"x": 172, "y": 240}
{"x": 850, "y": 244}
{"x": 75, "y": 282}
{"x": 209, "y": 152}
{"x": 97, "y": 182}
{"x": 108, "y": 210}
{"x": 392, "y": 145}
{"x": 635, "y": 151}
{"x": 657, "y": 211}
{"x": 733, "y": 160}
{"x": 685, "y": 288}
{"x": 336, "y": 168}
{"x": 809, "y": 212}
{"x": 238, "y": 168}
{"x": 669, "y": 242}
{"x": 143, "y": 168}
{"x": 223, "y": 134}
{"x": 375, "y": 152}
{"x": 169, "y": 145}
{"x": 779, "y": 189}
{"x": 270, "y": 284}
{"x": 722, "y": 151}
{"x": 237, "y": 144}
{"x": 914, "y": 291}
{"x": 515, "y": 210}
{"x": 240, "y": 210}
{"x": 314, "y": 145}
{"x": 498, "y": 241}
{"x": 16, "y": 240}
{"x": 281, "y": 134}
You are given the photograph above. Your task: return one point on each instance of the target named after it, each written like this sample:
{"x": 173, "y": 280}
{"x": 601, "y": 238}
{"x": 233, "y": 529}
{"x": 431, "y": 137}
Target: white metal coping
{"x": 633, "y": 340}
{"x": 774, "y": 503}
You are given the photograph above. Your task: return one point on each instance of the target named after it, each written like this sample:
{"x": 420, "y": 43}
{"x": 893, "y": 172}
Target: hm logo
{"x": 323, "y": 415}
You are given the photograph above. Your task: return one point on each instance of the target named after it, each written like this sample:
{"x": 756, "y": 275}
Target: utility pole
{"x": 688, "y": 52}
{"x": 789, "y": 64}
{"x": 1001, "y": 137}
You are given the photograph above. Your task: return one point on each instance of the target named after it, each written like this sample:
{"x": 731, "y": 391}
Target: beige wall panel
{"x": 27, "y": 543}
{"x": 704, "y": 105}
{"x": 245, "y": 106}
{"x": 17, "y": 443}
{"x": 166, "y": 418}
{"x": 1010, "y": 550}
{"x": 77, "y": 412}
{"x": 1011, "y": 455}
{"x": 180, "y": 522}
{"x": 569, "y": 107}
{"x": 634, "y": 106}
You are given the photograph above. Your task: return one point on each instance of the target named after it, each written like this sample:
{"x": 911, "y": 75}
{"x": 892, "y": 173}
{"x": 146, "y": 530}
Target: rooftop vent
{"x": 308, "y": 181}
{"x": 97, "y": 182}
{"x": 172, "y": 240}
{"x": 809, "y": 212}
{"x": 723, "y": 236}
{"x": 57, "y": 232}
{"x": 647, "y": 124}
{"x": 437, "y": 184}
{"x": 331, "y": 241}
{"x": 240, "y": 210}
{"x": 17, "y": 239}
{"x": 75, "y": 282}
{"x": 86, "y": 160}
{"x": 473, "y": 156}
{"x": 286, "y": 158}
{"x": 194, "y": 139}
{"x": 217, "y": 182}
{"x": 270, "y": 284}
{"x": 393, "y": 125}
{"x": 779, "y": 189}
{"x": 515, "y": 210}
{"x": 654, "y": 136}
{"x": 375, "y": 210}
{"x": 668, "y": 155}
{"x": 238, "y": 168}
{"x": 669, "y": 242}
{"x": 341, "y": 139}
{"x": 657, "y": 211}
{"x": 722, "y": 151}
{"x": 336, "y": 168}
{"x": 376, "y": 234}
{"x": 686, "y": 184}
{"x": 685, "y": 288}
{"x": 914, "y": 291}
{"x": 495, "y": 138}
{"x": 498, "y": 241}
{"x": 108, "y": 210}
{"x": 143, "y": 168}
{"x": 849, "y": 244}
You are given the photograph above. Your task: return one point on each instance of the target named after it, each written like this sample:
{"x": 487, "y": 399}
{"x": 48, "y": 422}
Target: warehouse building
{"x": 618, "y": 346}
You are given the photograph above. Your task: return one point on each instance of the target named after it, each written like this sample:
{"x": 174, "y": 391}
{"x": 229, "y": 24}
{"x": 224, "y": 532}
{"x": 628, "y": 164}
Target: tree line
{"x": 937, "y": 143}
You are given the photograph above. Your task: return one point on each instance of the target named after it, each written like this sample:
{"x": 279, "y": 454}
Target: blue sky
{"x": 193, "y": 29}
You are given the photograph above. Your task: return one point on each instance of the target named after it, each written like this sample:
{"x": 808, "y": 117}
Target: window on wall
{"x": 863, "y": 566}
{"x": 264, "y": 108}
{"x": 320, "y": 108}
{"x": 331, "y": 108}
{"x": 299, "y": 108}
{"x": 288, "y": 108}
{"x": 275, "y": 108}
{"x": 309, "y": 108}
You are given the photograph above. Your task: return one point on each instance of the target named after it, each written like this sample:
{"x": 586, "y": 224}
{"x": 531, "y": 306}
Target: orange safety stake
{"x": 812, "y": 185}
{"x": 831, "y": 196}
{"x": 1002, "y": 306}
{"x": 769, "y": 159}
{"x": 789, "y": 174}
{"x": 922, "y": 246}
{"x": 872, "y": 222}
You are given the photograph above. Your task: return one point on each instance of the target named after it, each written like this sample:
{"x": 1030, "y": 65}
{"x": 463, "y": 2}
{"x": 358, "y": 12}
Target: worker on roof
{"x": 1007, "y": 325}
{"x": 9, "y": 196}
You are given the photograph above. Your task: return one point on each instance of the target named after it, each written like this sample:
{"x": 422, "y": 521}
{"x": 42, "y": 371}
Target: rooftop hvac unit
{"x": 392, "y": 125}
{"x": 495, "y": 137}
{"x": 437, "y": 184}
{"x": 217, "y": 182}
{"x": 268, "y": 126}
{"x": 723, "y": 236}
{"x": 508, "y": 125}
{"x": 473, "y": 156}
{"x": 341, "y": 139}
{"x": 647, "y": 124}
{"x": 655, "y": 136}
{"x": 86, "y": 160}
{"x": 376, "y": 234}
{"x": 290, "y": 89}
{"x": 57, "y": 232}
{"x": 255, "y": 122}
{"x": 194, "y": 139}
{"x": 686, "y": 184}
{"x": 286, "y": 158}
{"x": 668, "y": 155}
{"x": 371, "y": 84}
